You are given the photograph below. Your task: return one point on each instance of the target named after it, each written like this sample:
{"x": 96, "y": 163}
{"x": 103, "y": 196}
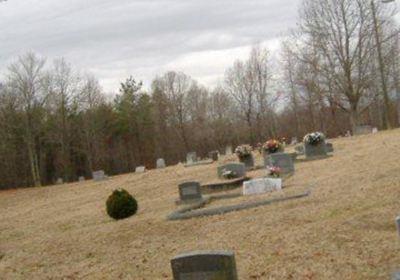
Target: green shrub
{"x": 120, "y": 205}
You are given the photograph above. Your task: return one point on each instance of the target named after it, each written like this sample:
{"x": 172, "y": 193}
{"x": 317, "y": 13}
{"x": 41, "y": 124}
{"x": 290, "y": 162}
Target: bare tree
{"x": 25, "y": 78}
{"x": 340, "y": 33}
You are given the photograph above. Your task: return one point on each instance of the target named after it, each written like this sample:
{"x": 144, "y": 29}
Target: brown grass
{"x": 345, "y": 230}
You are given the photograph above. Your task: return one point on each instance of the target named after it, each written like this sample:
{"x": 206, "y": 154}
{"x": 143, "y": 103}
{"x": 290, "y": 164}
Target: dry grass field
{"x": 344, "y": 230}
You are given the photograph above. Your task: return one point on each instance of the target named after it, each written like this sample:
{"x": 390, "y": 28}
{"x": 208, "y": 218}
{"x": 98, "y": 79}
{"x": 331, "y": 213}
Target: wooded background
{"x": 339, "y": 69}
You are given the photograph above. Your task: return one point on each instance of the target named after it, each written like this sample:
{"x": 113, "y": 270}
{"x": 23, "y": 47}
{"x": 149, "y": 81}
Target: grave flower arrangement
{"x": 272, "y": 146}
{"x": 314, "y": 139}
{"x": 274, "y": 171}
{"x": 243, "y": 151}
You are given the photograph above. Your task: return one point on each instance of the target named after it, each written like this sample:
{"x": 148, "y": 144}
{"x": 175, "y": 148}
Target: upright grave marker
{"x": 98, "y": 175}
{"x": 299, "y": 149}
{"x": 81, "y": 179}
{"x": 362, "y": 130}
{"x": 160, "y": 163}
{"x": 140, "y": 169}
{"x": 315, "y": 150}
{"x": 282, "y": 160}
{"x": 204, "y": 265}
{"x": 329, "y": 147}
{"x": 237, "y": 170}
{"x": 213, "y": 155}
{"x": 228, "y": 150}
{"x": 191, "y": 157}
{"x": 59, "y": 181}
{"x": 190, "y": 191}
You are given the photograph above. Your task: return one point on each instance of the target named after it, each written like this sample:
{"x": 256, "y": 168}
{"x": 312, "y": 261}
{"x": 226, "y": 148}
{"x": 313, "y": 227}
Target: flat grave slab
{"x": 223, "y": 185}
{"x": 261, "y": 186}
{"x": 199, "y": 163}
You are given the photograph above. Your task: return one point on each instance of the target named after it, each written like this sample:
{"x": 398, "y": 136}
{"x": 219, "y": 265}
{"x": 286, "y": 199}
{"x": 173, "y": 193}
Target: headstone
{"x": 375, "y": 130}
{"x": 248, "y": 161}
{"x": 398, "y": 224}
{"x": 262, "y": 185}
{"x": 329, "y": 147}
{"x": 362, "y": 130}
{"x": 81, "y": 179}
{"x": 239, "y": 169}
{"x": 191, "y": 157}
{"x": 59, "y": 181}
{"x": 204, "y": 265}
{"x": 315, "y": 150}
{"x": 190, "y": 191}
{"x": 140, "y": 169}
{"x": 282, "y": 160}
{"x": 348, "y": 133}
{"x": 160, "y": 163}
{"x": 228, "y": 150}
{"x": 213, "y": 155}
{"x": 294, "y": 141}
{"x": 299, "y": 149}
{"x": 98, "y": 175}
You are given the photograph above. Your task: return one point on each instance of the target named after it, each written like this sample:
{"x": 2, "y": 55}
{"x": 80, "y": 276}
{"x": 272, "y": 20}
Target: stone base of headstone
{"x": 198, "y": 163}
{"x": 195, "y": 211}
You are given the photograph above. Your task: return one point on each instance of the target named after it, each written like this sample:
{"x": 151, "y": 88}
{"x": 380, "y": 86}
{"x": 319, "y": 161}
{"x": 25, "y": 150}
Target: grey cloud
{"x": 127, "y": 36}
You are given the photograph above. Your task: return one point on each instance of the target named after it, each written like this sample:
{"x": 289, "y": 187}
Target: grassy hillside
{"x": 344, "y": 230}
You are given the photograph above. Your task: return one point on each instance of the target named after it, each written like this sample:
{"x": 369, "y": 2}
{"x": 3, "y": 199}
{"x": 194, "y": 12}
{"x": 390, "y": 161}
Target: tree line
{"x": 337, "y": 70}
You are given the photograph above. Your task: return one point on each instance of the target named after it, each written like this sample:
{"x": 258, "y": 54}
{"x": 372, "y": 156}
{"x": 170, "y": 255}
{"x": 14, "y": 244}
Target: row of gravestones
{"x": 221, "y": 265}
{"x": 190, "y": 192}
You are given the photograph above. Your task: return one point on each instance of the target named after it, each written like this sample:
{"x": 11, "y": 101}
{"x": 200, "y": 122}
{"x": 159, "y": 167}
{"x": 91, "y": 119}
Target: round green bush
{"x": 120, "y": 205}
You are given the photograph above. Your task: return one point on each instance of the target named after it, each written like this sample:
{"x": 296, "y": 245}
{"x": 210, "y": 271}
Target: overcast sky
{"x": 143, "y": 38}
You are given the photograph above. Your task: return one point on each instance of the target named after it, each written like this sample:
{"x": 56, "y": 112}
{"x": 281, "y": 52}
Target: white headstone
{"x": 262, "y": 185}
{"x": 99, "y": 175}
{"x": 140, "y": 169}
{"x": 59, "y": 181}
{"x": 375, "y": 130}
{"x": 161, "y": 163}
{"x": 81, "y": 179}
{"x": 228, "y": 150}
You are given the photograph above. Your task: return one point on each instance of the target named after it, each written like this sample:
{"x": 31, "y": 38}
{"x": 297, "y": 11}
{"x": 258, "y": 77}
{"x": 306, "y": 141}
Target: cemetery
{"x": 329, "y": 211}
